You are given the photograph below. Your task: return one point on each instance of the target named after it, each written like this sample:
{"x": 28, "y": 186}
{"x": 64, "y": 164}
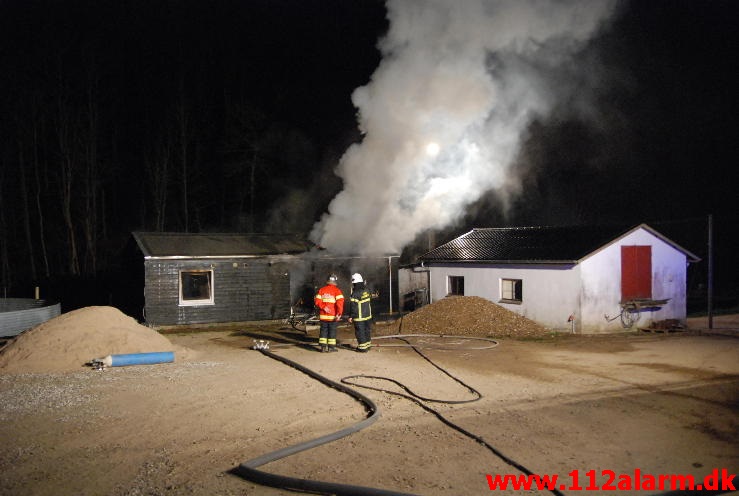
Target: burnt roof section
{"x": 208, "y": 245}
{"x": 544, "y": 244}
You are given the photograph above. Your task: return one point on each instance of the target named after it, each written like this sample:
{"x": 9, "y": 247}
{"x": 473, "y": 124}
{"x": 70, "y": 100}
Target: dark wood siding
{"x": 243, "y": 289}
{"x": 262, "y": 288}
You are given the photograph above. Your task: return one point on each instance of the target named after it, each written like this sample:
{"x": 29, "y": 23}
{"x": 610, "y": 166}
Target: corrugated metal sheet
{"x": 20, "y": 314}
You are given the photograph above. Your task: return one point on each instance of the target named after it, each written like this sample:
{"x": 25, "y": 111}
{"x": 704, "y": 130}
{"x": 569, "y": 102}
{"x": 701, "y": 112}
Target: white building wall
{"x": 601, "y": 291}
{"x": 550, "y": 292}
{"x": 601, "y": 284}
{"x": 590, "y": 291}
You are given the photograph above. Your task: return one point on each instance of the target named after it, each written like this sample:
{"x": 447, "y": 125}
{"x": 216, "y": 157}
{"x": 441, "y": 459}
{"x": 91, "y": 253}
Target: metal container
{"x": 20, "y": 314}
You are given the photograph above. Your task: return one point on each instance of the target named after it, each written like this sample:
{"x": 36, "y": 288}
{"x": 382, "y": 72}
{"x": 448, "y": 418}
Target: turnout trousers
{"x": 362, "y": 331}
{"x": 327, "y": 333}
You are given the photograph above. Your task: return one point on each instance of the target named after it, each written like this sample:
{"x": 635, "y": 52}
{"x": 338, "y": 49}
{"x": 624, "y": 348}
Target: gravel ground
{"x": 661, "y": 403}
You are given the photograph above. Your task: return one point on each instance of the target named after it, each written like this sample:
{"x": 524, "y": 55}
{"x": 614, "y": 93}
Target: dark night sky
{"x": 298, "y": 61}
{"x": 666, "y": 148}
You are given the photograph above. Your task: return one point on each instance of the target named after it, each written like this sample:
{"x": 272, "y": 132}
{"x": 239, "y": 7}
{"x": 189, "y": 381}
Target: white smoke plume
{"x": 443, "y": 113}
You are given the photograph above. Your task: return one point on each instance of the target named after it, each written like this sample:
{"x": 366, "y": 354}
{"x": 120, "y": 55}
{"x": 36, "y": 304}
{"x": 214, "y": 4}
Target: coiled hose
{"x": 421, "y": 401}
{"x": 248, "y": 469}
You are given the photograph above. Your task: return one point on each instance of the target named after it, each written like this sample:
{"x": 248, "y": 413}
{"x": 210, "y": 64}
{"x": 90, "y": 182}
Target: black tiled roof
{"x": 526, "y": 244}
{"x": 204, "y": 245}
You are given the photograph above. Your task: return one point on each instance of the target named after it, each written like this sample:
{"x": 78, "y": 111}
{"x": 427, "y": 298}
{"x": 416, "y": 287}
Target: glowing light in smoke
{"x": 470, "y": 74}
{"x": 432, "y": 149}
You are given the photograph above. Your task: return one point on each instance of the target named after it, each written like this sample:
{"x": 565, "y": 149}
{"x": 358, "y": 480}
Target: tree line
{"x": 105, "y": 134}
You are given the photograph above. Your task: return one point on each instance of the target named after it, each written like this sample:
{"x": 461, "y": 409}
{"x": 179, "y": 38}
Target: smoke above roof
{"x": 443, "y": 114}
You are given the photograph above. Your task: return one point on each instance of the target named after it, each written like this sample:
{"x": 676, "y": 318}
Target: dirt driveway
{"x": 663, "y": 404}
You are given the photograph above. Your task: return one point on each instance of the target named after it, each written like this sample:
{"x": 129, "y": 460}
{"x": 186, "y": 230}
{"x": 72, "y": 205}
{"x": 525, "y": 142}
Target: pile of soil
{"x": 470, "y": 316}
{"x": 67, "y": 342}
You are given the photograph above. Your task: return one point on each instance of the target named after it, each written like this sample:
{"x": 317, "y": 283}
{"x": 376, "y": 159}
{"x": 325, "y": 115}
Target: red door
{"x": 636, "y": 272}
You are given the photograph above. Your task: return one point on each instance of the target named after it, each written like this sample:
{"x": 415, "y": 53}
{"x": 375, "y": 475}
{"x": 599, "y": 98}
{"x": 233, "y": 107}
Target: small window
{"x": 511, "y": 290}
{"x": 196, "y": 287}
{"x": 456, "y": 285}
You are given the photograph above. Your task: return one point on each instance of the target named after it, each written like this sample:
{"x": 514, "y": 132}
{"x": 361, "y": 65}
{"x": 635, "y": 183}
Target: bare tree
{"x": 37, "y": 164}
{"x": 182, "y": 116}
{"x": 91, "y": 181}
{"x": 157, "y": 173}
{"x": 66, "y": 134}
{"x": 25, "y": 209}
{"x": 243, "y": 150}
{"x": 5, "y": 275}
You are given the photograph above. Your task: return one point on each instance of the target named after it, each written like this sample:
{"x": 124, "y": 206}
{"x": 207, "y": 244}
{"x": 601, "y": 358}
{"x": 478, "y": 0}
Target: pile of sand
{"x": 470, "y": 316}
{"x": 66, "y": 343}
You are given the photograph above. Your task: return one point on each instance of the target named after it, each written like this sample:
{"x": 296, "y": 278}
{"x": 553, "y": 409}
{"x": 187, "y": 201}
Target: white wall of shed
{"x": 590, "y": 291}
{"x": 550, "y": 292}
{"x": 601, "y": 284}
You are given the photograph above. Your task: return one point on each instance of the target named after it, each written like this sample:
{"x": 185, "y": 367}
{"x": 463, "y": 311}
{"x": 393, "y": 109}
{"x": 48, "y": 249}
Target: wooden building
{"x": 210, "y": 278}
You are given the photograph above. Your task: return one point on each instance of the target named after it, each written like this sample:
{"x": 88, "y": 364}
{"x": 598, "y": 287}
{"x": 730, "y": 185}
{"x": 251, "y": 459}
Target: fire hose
{"x": 249, "y": 469}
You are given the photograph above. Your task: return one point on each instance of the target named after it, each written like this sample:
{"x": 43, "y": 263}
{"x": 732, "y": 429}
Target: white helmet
{"x": 357, "y": 278}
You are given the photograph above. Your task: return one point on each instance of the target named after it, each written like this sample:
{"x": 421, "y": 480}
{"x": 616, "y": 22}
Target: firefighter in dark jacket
{"x": 360, "y": 313}
{"x": 330, "y": 303}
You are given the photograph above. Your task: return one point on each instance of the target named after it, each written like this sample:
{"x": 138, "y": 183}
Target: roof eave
{"x": 690, "y": 256}
{"x": 212, "y": 257}
{"x": 506, "y": 262}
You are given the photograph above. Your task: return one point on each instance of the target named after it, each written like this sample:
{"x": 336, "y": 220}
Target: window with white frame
{"x": 196, "y": 287}
{"x": 456, "y": 285}
{"x": 511, "y": 290}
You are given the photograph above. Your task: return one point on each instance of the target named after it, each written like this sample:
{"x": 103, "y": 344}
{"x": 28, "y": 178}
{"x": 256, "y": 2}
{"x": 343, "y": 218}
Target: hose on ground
{"x": 248, "y": 470}
{"x": 287, "y": 342}
{"x": 491, "y": 343}
{"x": 421, "y": 401}
{"x": 411, "y": 395}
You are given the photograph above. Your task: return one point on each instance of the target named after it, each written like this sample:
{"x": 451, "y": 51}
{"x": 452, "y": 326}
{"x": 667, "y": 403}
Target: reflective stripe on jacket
{"x": 360, "y": 306}
{"x": 330, "y": 302}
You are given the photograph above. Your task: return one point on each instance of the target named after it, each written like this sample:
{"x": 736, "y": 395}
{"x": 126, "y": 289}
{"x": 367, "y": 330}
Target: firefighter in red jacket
{"x": 330, "y": 303}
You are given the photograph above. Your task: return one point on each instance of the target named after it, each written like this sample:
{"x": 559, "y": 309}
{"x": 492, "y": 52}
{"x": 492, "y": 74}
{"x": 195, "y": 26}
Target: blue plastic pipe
{"x": 138, "y": 359}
